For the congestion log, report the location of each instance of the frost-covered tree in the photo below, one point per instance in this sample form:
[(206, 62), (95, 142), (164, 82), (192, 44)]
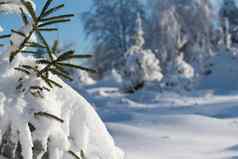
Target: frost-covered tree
[(180, 75), (170, 19), (141, 65), (82, 78), (228, 16), (227, 36), (110, 24)]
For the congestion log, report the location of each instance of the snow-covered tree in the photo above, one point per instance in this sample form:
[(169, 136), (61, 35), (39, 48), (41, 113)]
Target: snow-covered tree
[(180, 75), (170, 19), (229, 20), (141, 65), (227, 37), (40, 115), (110, 24), (82, 77)]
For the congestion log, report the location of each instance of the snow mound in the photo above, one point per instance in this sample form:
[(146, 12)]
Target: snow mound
[(73, 129)]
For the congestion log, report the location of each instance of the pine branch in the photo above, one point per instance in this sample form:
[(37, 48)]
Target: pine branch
[(56, 72), (47, 29), (19, 33), (22, 70), (55, 83), (55, 46), (74, 154), (82, 154), (46, 6), (46, 45), (5, 36), (77, 67), (65, 55), (53, 22), (49, 116), (43, 61), (52, 10), (29, 8), (34, 45), (57, 17), (22, 45), (77, 57), (24, 17)]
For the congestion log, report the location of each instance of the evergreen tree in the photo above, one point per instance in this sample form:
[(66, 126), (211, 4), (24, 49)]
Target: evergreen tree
[(25, 41), (40, 71), (141, 65), (110, 23)]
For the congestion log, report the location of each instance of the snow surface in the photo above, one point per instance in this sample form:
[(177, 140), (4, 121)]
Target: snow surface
[(201, 124), (171, 127)]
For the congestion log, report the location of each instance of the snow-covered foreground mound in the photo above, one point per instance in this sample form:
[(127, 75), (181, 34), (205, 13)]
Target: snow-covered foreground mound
[(62, 123)]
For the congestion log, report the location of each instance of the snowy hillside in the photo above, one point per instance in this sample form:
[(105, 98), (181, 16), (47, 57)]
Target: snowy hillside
[(148, 124), (155, 124)]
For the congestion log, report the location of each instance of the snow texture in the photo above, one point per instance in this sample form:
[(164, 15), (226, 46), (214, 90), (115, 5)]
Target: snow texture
[(199, 124), (13, 6)]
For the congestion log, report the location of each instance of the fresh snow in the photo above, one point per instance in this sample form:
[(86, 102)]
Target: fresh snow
[(14, 6), (201, 124), (170, 126)]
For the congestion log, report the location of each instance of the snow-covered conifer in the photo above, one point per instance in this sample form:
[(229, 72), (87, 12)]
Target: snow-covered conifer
[(40, 115), (180, 75), (141, 65)]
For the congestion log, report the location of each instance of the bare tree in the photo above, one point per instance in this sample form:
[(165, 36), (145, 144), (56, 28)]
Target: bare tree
[(111, 23)]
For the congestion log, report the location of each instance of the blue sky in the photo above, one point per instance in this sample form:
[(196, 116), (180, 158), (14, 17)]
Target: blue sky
[(70, 32)]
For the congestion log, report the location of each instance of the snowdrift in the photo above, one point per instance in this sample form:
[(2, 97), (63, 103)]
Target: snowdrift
[(27, 130)]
